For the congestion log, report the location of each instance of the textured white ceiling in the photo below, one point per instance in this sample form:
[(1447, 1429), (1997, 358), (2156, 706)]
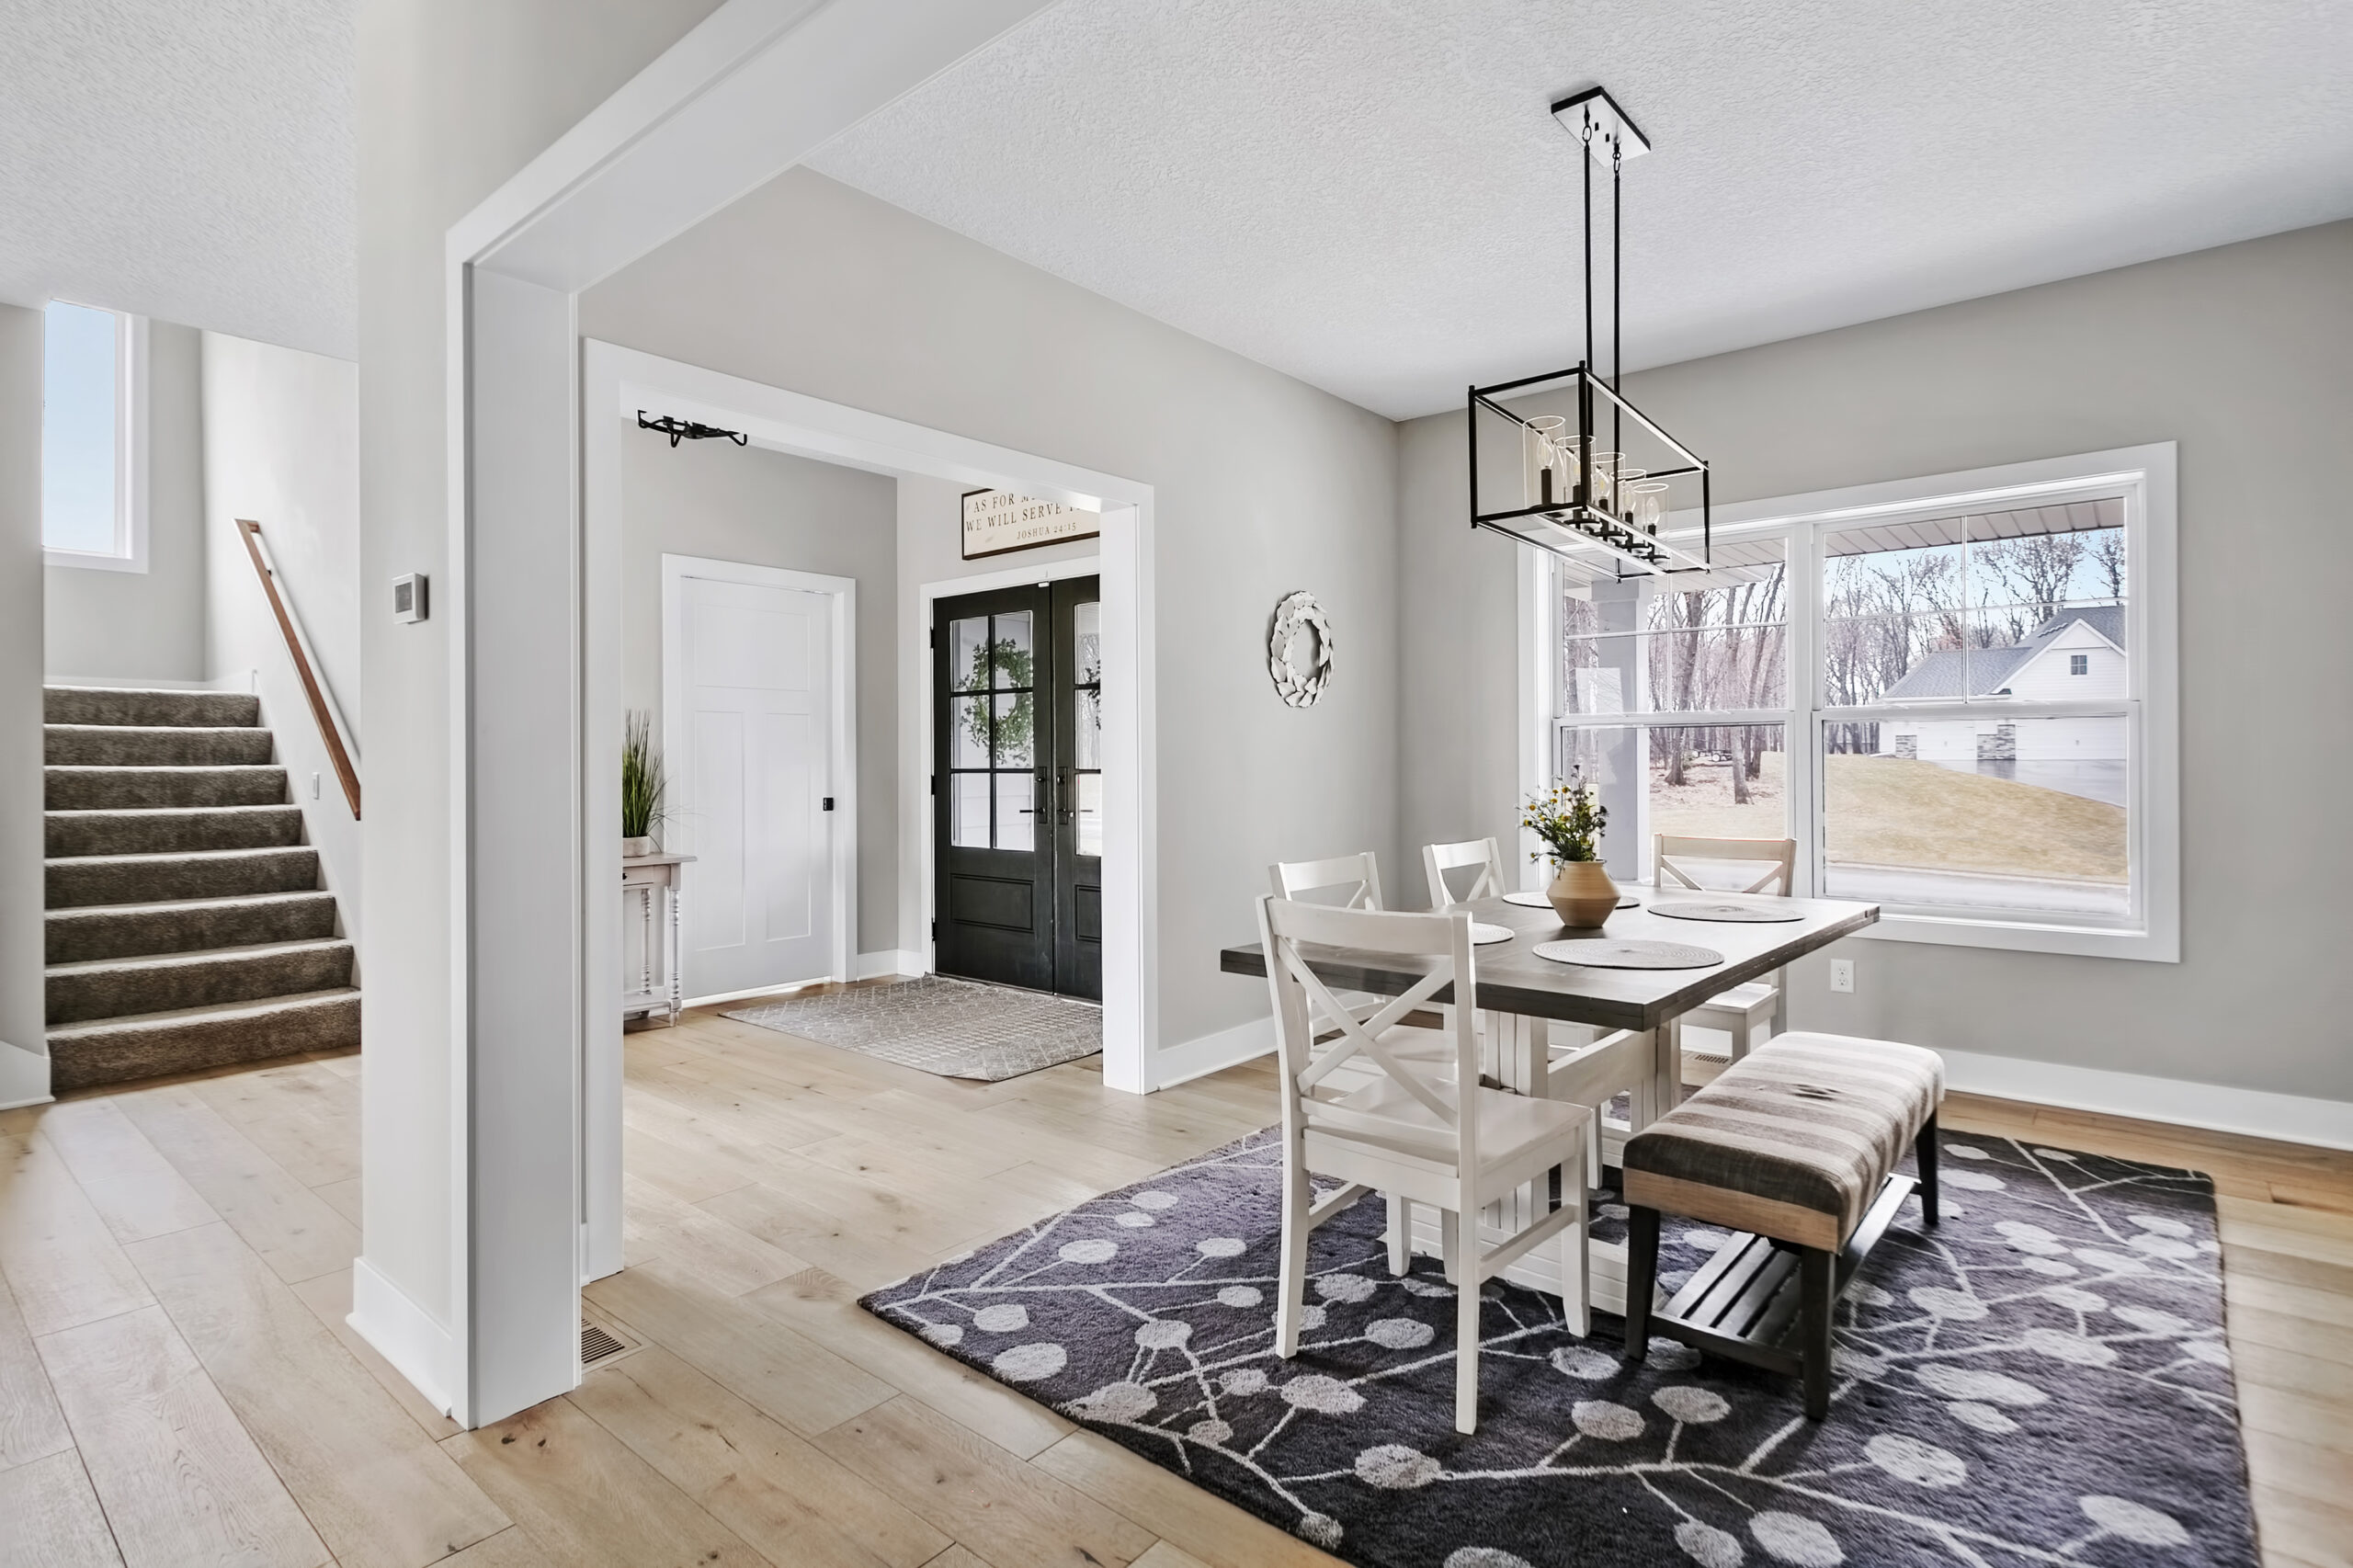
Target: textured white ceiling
[(184, 159), (1369, 194)]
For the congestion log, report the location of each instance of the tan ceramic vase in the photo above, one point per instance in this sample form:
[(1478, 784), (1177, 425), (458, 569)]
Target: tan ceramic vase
[(1583, 895)]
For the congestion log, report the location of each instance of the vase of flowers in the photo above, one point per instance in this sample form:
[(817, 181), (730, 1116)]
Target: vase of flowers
[(643, 784), (1570, 818)]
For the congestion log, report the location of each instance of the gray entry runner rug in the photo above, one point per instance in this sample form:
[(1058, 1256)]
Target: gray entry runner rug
[(2042, 1379), (957, 1028)]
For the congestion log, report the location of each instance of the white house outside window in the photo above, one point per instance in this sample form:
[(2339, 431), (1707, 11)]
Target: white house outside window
[(93, 438), (1956, 694)]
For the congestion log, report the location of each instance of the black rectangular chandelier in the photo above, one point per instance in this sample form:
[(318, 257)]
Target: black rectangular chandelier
[(1562, 460)]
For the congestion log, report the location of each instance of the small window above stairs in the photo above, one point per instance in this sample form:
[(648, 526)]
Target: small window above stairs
[(187, 928)]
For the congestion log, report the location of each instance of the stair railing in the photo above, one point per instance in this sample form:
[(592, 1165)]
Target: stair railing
[(331, 729)]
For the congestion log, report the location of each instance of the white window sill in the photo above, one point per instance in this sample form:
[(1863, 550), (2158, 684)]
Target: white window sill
[(91, 562), (2025, 937)]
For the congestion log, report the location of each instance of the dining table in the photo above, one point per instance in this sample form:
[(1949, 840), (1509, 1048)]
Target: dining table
[(1635, 1016)]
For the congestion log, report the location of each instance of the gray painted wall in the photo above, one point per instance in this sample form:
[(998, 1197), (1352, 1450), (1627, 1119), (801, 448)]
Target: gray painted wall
[(725, 503), (281, 447), (134, 625), (24, 1044), (2239, 353), (1263, 486)]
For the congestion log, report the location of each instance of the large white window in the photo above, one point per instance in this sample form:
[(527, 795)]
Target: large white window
[(1956, 693), (93, 438)]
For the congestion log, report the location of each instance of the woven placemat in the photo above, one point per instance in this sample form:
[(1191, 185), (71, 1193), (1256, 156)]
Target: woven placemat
[(1712, 909), (1483, 934), (1538, 901), (1612, 953)]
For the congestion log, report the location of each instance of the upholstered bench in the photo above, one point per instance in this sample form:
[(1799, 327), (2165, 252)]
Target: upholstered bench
[(1796, 1143)]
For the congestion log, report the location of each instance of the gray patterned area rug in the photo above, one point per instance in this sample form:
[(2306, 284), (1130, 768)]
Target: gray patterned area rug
[(2042, 1379), (957, 1028)]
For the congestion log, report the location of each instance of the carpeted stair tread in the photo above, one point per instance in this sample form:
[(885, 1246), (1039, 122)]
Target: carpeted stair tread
[(127, 789), (180, 925), (80, 880), (186, 927), (120, 745), (128, 706), (184, 1039), (154, 830), (106, 988)]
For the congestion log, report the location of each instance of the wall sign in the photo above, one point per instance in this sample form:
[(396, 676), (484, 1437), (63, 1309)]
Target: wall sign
[(1299, 650), (997, 522)]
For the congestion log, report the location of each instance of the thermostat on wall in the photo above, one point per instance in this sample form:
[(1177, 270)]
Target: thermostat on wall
[(409, 597)]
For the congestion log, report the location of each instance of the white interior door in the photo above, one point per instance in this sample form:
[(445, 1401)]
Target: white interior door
[(757, 683)]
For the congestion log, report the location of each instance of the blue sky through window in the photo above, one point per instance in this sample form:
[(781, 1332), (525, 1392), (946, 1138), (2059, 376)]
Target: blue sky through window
[(78, 430)]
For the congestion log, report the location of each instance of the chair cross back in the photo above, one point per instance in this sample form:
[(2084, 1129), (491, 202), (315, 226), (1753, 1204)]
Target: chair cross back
[(1364, 1038), (1782, 854), (1439, 858), (1360, 873), (1444, 938)]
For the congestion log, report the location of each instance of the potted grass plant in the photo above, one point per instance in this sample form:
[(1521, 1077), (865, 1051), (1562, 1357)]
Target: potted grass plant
[(1570, 818), (643, 785)]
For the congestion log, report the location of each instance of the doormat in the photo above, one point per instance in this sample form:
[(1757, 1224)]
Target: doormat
[(957, 1028), (2040, 1379)]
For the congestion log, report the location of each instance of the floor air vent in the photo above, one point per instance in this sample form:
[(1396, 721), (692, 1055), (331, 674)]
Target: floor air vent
[(597, 1343)]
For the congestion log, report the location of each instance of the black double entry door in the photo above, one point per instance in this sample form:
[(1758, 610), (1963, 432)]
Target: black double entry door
[(1017, 785)]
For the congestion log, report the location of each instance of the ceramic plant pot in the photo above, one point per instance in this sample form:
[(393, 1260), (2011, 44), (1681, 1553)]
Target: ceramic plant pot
[(634, 848), (1583, 895)]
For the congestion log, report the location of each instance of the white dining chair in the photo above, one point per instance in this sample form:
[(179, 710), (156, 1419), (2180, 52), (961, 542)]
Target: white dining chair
[(1743, 1010), (1438, 859), (1353, 881), (1414, 1130)]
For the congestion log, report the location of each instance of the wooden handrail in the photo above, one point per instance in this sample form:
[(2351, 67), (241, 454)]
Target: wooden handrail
[(329, 731)]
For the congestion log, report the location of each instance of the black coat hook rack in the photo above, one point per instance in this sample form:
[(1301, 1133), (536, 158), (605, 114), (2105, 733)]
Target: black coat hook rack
[(687, 430)]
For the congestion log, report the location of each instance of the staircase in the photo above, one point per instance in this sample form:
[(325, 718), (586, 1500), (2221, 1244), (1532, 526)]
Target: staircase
[(187, 928)]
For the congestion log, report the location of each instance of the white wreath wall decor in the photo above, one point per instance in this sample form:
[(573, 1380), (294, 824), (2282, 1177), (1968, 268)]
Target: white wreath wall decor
[(1299, 612)]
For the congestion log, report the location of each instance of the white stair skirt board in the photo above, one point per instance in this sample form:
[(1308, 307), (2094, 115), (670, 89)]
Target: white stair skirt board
[(24, 1077), (404, 1334)]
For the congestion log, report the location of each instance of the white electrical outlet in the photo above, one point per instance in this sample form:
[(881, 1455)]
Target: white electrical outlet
[(1842, 975)]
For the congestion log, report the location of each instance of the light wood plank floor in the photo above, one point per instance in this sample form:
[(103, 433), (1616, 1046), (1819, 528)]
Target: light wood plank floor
[(178, 1387)]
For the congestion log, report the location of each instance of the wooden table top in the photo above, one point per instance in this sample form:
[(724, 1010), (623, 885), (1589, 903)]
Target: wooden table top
[(1512, 979)]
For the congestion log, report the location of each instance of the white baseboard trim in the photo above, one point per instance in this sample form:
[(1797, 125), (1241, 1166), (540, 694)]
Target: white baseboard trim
[(20, 1105), (404, 1334), (1210, 1053), (890, 960), (2214, 1106)]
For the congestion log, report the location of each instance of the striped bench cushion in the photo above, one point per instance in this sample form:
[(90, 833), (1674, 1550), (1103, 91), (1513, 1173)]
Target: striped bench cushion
[(1792, 1141)]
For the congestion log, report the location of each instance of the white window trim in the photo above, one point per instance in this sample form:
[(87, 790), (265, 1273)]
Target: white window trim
[(2145, 476), (129, 553)]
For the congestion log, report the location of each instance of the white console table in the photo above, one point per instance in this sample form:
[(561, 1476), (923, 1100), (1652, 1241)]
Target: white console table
[(650, 936)]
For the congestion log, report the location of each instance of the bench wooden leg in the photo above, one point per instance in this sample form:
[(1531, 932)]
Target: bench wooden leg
[(1401, 1235), (1641, 1279), (1818, 1281), (1924, 1157)]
